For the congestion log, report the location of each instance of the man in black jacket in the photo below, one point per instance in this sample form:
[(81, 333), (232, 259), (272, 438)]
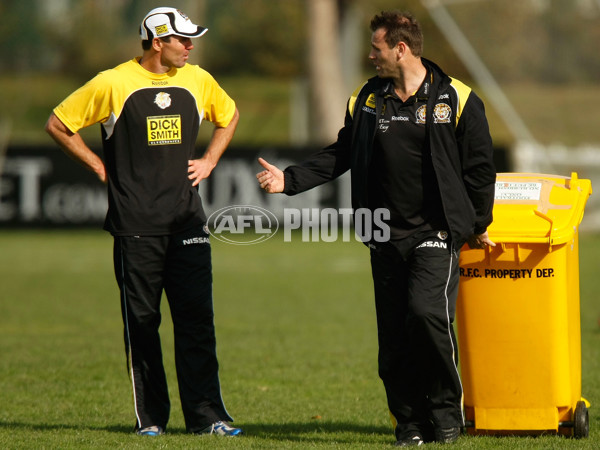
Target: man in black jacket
[(417, 143)]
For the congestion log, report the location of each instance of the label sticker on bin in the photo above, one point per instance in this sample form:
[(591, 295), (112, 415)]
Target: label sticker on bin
[(518, 191)]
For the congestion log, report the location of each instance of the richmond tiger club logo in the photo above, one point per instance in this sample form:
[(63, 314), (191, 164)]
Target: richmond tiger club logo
[(442, 113), (421, 114), (162, 100)]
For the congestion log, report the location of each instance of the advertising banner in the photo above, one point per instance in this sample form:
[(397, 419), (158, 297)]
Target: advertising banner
[(42, 187)]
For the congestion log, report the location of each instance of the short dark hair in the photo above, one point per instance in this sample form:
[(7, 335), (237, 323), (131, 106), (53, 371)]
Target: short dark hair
[(147, 43), (400, 26)]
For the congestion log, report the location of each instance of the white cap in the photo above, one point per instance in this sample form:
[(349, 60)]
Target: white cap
[(168, 21)]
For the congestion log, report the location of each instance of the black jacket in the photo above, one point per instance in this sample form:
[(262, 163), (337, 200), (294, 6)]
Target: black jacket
[(457, 136)]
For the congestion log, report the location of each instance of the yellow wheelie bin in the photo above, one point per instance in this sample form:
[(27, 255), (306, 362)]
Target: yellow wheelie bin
[(518, 318)]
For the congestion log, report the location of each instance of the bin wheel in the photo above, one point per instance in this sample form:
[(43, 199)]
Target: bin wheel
[(581, 421)]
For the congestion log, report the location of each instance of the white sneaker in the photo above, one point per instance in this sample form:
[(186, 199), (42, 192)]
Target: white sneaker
[(222, 428)]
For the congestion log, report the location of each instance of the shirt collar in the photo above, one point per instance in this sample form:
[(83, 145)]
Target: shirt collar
[(422, 94)]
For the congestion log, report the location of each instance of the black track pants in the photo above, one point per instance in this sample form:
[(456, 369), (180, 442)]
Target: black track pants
[(416, 286), (181, 265)]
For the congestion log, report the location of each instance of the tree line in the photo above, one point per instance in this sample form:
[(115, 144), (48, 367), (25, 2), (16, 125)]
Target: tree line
[(553, 41)]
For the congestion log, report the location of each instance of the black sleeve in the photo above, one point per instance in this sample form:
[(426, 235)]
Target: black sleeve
[(477, 157), (322, 166)]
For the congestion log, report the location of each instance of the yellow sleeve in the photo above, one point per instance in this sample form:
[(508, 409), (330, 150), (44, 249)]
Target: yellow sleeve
[(88, 105), (217, 106)]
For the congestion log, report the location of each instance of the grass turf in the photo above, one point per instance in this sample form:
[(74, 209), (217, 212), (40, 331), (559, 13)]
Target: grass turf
[(296, 340)]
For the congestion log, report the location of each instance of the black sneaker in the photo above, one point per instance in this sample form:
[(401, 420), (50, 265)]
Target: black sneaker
[(411, 441), (447, 435)]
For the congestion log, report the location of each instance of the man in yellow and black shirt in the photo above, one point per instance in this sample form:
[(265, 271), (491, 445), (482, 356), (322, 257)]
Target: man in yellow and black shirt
[(150, 109)]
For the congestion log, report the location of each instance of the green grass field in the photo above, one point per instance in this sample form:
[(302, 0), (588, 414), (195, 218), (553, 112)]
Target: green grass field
[(296, 340)]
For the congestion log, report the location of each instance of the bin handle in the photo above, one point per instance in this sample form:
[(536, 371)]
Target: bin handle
[(538, 213), (530, 240)]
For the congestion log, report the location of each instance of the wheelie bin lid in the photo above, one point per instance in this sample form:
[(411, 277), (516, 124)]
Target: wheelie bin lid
[(538, 208)]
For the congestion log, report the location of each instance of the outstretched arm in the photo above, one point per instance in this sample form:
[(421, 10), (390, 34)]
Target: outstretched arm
[(74, 146), (271, 179)]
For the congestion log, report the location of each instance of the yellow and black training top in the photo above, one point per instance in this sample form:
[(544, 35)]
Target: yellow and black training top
[(149, 127)]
